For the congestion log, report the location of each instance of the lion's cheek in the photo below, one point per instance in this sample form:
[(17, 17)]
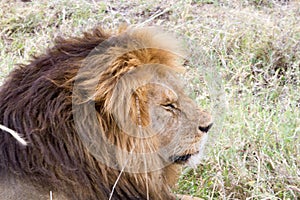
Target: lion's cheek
[(159, 120)]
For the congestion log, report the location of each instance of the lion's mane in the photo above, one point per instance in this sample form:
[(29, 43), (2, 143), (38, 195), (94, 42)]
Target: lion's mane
[(37, 101)]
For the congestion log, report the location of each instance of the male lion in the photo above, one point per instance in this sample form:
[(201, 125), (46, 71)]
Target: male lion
[(104, 117)]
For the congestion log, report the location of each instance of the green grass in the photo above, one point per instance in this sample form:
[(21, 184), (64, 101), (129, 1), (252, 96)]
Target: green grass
[(244, 67)]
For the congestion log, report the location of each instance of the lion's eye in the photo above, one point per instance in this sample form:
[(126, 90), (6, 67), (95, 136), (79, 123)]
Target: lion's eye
[(169, 106)]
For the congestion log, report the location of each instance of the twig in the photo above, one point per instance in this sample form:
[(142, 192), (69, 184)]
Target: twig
[(155, 15), (14, 134)]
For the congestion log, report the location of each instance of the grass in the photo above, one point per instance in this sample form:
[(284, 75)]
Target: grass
[(244, 66)]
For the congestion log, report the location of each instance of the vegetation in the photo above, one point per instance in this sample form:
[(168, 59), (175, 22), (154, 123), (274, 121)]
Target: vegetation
[(244, 66)]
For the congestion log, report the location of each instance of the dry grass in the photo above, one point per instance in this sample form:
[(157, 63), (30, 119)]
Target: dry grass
[(245, 65)]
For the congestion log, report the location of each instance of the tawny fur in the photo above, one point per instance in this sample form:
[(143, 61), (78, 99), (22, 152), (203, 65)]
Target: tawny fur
[(37, 101)]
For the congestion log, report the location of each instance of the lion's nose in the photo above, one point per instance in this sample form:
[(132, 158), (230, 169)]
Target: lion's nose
[(205, 129)]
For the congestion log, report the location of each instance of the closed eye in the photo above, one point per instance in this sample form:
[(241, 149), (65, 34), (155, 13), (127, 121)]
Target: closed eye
[(170, 106)]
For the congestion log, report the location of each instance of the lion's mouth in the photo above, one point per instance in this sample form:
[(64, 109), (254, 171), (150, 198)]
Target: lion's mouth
[(181, 159)]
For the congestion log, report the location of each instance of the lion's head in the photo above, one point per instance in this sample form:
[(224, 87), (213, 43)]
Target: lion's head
[(105, 113)]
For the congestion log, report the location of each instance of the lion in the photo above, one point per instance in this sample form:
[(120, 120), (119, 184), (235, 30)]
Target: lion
[(103, 116)]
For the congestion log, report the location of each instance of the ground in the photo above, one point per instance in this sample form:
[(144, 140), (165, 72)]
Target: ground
[(244, 66)]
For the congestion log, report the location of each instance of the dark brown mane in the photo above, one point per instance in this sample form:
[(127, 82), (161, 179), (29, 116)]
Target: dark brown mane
[(34, 105), (36, 102)]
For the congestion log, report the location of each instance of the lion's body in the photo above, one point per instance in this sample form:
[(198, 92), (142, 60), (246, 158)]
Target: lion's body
[(37, 101)]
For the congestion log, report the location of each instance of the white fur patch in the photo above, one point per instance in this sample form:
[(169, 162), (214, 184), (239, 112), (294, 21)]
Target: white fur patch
[(196, 159)]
